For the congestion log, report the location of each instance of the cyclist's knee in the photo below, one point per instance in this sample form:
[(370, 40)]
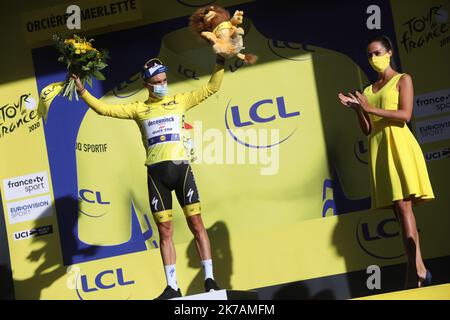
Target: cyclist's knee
[(196, 224), (165, 230)]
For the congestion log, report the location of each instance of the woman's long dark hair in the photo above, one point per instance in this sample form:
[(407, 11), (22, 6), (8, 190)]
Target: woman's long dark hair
[(387, 44)]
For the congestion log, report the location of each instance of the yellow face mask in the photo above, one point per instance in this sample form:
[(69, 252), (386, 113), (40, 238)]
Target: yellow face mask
[(380, 63)]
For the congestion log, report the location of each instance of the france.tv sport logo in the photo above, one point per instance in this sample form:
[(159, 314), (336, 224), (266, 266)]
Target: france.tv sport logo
[(25, 186), (29, 184)]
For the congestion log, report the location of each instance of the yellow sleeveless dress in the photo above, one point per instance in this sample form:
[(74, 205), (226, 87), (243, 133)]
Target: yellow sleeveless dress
[(397, 165)]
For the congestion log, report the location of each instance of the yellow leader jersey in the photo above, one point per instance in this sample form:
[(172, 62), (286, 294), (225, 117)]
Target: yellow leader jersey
[(161, 121)]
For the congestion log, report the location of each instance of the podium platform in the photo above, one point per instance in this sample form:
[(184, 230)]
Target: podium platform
[(439, 292), (223, 295)]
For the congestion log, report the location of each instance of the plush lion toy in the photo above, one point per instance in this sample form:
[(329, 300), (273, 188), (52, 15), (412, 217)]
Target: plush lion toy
[(214, 24)]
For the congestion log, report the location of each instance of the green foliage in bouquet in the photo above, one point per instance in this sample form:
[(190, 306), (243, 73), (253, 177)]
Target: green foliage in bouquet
[(81, 59)]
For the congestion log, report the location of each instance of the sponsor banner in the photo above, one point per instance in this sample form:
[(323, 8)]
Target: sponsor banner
[(25, 186), (33, 233), (423, 33), (29, 209), (21, 113), (92, 147), (432, 103), (433, 130), (338, 244), (286, 149), (437, 155), (163, 129), (41, 24)]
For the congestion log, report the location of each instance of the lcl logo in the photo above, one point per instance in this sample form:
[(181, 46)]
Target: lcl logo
[(128, 88), (188, 73), (380, 238), (115, 278), (240, 119), (290, 50), (195, 4), (101, 283), (360, 150), (256, 118), (88, 196), (91, 197)]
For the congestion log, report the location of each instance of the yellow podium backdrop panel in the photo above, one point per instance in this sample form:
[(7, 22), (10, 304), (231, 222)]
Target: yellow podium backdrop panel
[(280, 164)]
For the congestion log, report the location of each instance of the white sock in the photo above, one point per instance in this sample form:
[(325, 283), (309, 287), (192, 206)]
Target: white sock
[(208, 268), (171, 276)]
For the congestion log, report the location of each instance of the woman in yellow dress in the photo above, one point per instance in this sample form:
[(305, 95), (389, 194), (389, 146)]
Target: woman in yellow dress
[(398, 172)]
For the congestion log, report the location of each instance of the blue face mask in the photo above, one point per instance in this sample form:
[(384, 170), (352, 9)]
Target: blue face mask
[(160, 91)]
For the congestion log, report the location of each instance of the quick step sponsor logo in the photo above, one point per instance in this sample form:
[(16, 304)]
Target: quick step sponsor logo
[(25, 186), (33, 233), (29, 209)]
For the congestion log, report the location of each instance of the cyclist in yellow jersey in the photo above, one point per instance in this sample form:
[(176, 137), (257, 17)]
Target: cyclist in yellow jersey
[(398, 171), (161, 122)]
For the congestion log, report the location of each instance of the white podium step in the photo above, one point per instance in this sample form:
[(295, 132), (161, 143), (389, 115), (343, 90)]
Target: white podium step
[(223, 295)]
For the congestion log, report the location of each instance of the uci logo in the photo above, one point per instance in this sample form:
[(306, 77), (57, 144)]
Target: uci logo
[(360, 150), (273, 109), (437, 155), (23, 235), (194, 3), (290, 50), (379, 238), (91, 203), (103, 282), (128, 88)]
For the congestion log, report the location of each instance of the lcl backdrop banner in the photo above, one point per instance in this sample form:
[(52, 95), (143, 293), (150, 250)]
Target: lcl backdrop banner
[(281, 166)]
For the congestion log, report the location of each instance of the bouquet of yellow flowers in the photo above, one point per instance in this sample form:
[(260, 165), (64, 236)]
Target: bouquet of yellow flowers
[(82, 59)]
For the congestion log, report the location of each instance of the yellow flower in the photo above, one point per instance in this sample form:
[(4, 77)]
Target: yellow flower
[(77, 51)]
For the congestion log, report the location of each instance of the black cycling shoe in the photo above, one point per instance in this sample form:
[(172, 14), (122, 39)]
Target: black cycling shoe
[(211, 285), (169, 293)]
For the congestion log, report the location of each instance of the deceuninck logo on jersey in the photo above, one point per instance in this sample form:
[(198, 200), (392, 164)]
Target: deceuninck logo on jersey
[(162, 129)]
